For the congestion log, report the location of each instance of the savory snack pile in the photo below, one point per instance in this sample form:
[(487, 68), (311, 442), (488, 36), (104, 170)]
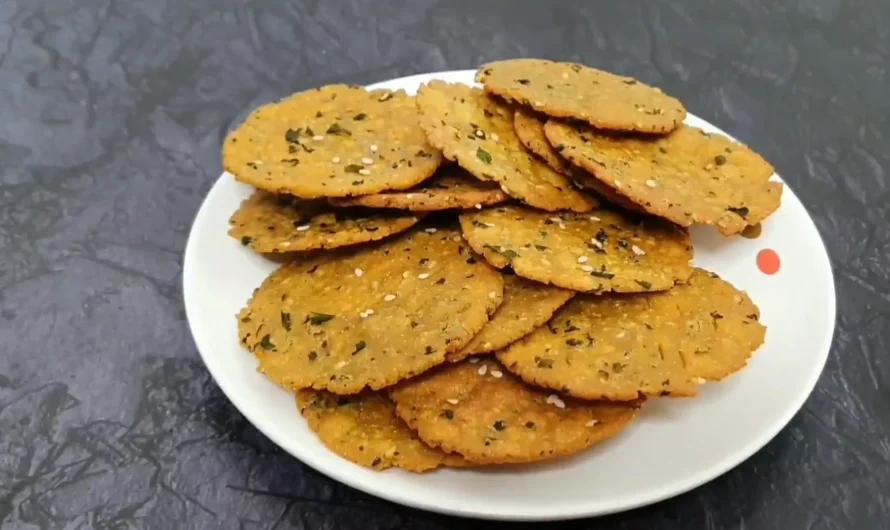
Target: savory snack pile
[(475, 276)]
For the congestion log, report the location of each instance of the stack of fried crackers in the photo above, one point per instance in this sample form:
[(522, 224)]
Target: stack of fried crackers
[(484, 276)]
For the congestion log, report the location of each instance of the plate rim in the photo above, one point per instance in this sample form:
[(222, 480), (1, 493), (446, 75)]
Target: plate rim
[(653, 496)]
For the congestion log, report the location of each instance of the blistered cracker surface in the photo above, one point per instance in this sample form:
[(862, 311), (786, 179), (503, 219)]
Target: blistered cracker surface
[(451, 188), (596, 251), (721, 325), (530, 131), (526, 306), (604, 347), (364, 429), (309, 322), (477, 132), (570, 90), (270, 223), (321, 143), (489, 416), (688, 177)]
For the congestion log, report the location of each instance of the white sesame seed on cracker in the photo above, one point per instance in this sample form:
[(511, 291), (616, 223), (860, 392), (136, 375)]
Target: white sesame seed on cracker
[(423, 275), (586, 268), (367, 161), (373, 148), (478, 206), (389, 297), (651, 183), (364, 172), (497, 374), (483, 369), (492, 295), (595, 218), (318, 138), (359, 272), (302, 228), (582, 259), (638, 251), (494, 136), (553, 399), (336, 160), (592, 423), (474, 360), (452, 401), (429, 230), (406, 274)]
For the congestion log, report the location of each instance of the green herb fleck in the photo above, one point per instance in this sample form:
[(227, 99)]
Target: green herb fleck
[(523, 81), (715, 315), (529, 425), (448, 414), (573, 342), (602, 274), (360, 116), (483, 155), (541, 247), (293, 135), (359, 346), (245, 240), (630, 82), (544, 363), (499, 425), (336, 129), (285, 320), (644, 284), (313, 355), (719, 160), (353, 168), (267, 344), (319, 318), (662, 150), (429, 350)]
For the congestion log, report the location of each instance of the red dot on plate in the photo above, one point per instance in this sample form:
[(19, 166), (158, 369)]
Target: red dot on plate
[(768, 261)]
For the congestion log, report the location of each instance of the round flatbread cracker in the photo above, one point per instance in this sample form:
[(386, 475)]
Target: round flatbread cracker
[(477, 132), (604, 347), (490, 417), (452, 188), (594, 252), (527, 305), (722, 325), (334, 141), (569, 90), (343, 321), (364, 429), (530, 130), (688, 177), (619, 346), (270, 223)]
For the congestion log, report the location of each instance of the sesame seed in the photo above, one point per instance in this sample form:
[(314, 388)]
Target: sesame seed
[(565, 75), (582, 259), (483, 369), (367, 161), (364, 172), (336, 160), (285, 244), (586, 268), (480, 133), (651, 183), (595, 218), (302, 228), (553, 399), (452, 401), (562, 225), (389, 297), (617, 183), (592, 423), (595, 243), (699, 380), (538, 104), (373, 148), (406, 274), (409, 196), (359, 272), (340, 364), (478, 206), (487, 345), (423, 275), (620, 335), (494, 136), (429, 230), (318, 138), (492, 295), (369, 311), (489, 225), (474, 360), (555, 219), (638, 251), (497, 374)]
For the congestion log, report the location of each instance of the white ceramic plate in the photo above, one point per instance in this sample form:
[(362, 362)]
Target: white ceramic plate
[(676, 445)]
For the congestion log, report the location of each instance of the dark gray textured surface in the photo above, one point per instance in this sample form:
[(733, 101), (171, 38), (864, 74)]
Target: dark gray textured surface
[(111, 117)]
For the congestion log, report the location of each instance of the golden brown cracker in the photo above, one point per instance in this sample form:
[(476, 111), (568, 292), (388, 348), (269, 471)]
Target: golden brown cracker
[(721, 324), (270, 223), (490, 417), (688, 177), (595, 252), (345, 320), (478, 133), (334, 141), (604, 347), (530, 131), (526, 306), (451, 188), (569, 90), (364, 429)]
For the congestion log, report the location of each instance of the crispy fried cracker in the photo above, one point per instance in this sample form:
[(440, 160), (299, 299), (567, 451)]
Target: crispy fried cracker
[(452, 188), (604, 347), (364, 429), (722, 327), (335, 141), (569, 90), (688, 177), (597, 251), (490, 417), (344, 320), (270, 223), (527, 305), (478, 133), (530, 130)]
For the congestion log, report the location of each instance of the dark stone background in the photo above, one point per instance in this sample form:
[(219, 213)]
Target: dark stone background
[(111, 117)]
